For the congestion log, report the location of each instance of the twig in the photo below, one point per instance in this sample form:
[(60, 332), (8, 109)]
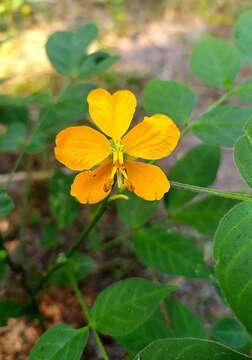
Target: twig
[(86, 314), (212, 191)]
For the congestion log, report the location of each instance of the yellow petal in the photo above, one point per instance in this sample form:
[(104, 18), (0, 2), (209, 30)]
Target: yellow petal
[(81, 147), (146, 180), (154, 138), (90, 187), (112, 113)]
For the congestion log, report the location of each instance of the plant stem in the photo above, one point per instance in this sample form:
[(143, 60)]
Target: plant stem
[(214, 192), (86, 314), (15, 166), (22, 150), (24, 206), (220, 101), (99, 212), (187, 128)]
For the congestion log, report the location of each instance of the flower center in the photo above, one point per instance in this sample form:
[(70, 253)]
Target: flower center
[(119, 170)]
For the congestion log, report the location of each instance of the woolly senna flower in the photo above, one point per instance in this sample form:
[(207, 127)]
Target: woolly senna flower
[(106, 159)]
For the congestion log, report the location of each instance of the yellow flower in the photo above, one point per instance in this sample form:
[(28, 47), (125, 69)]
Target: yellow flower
[(84, 148)]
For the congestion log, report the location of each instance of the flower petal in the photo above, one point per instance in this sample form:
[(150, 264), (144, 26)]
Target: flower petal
[(154, 138), (90, 187), (81, 147), (146, 180), (112, 113)]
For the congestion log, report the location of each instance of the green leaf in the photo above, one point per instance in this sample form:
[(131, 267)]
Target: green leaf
[(6, 203), (63, 206), (243, 153), (215, 61), (244, 91), (204, 215), (60, 342), (198, 166), (94, 239), (184, 322), (11, 114), (36, 143), (50, 236), (126, 305), (188, 349), (96, 63), (135, 211), (231, 333), (81, 265), (233, 259), (13, 138), (9, 309), (3, 263), (170, 252), (69, 108), (72, 100), (16, 103), (171, 98), (242, 34), (66, 49), (222, 126), (153, 329)]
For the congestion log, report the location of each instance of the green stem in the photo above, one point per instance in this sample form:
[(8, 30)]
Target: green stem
[(214, 192), (47, 276), (220, 101), (86, 314), (22, 150), (15, 167), (110, 244), (24, 206), (187, 128), (99, 212)]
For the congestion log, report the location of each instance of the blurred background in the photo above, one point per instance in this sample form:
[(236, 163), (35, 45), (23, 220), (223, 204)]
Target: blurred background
[(153, 39)]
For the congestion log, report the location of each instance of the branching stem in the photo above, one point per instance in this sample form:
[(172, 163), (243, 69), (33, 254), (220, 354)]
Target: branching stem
[(214, 192)]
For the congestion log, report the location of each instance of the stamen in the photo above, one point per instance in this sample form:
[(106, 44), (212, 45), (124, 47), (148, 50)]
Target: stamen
[(114, 170), (129, 185), (120, 157), (119, 179), (115, 156), (123, 171), (118, 164)]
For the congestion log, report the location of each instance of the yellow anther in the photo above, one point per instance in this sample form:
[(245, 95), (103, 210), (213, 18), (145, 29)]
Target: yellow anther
[(120, 157), (115, 156), (114, 170), (119, 179), (123, 171), (118, 164)]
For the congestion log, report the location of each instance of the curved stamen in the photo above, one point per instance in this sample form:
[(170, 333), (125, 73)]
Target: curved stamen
[(119, 170)]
